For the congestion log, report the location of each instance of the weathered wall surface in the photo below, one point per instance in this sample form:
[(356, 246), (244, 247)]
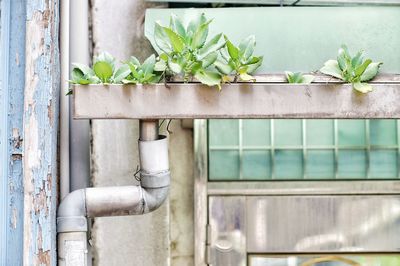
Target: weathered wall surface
[(164, 237)]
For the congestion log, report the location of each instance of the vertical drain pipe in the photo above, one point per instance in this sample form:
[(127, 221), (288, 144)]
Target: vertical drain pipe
[(114, 201)]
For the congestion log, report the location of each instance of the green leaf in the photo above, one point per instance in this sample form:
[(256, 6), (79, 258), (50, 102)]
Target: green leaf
[(134, 71), (224, 54), (341, 59), (256, 62), (246, 47), (211, 46), (194, 24), (161, 39), (87, 71), (148, 65), (135, 61), (371, 71), (331, 68), (362, 87), (209, 59), (103, 70), (106, 57), (121, 73), (200, 36), (160, 66), (209, 78), (246, 77), (174, 67), (176, 41), (232, 49), (360, 69), (177, 25), (225, 69), (357, 60), (293, 77)]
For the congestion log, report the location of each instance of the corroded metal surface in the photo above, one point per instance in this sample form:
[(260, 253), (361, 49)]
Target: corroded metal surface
[(245, 100)]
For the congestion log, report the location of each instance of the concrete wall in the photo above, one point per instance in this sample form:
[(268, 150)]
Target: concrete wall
[(164, 237)]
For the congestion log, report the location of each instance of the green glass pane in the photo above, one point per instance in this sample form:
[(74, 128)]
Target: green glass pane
[(320, 164), (256, 165), (224, 165), (352, 164), (320, 132), (383, 132), (288, 132), (223, 132), (351, 132), (256, 132), (288, 164), (383, 164)]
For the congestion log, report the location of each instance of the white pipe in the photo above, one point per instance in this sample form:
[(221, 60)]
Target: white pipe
[(64, 100)]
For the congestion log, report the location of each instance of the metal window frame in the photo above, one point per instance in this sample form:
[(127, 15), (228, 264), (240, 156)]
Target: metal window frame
[(203, 189)]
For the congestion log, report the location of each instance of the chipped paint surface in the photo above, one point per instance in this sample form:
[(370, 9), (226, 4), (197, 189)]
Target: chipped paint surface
[(40, 132), (13, 60)]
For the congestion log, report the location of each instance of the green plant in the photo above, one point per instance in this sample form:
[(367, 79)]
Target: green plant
[(103, 71), (239, 59), (298, 77), (186, 52), (135, 73), (355, 69)]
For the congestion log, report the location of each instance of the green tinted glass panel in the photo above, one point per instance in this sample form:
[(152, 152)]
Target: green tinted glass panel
[(288, 164), (352, 164), (383, 164), (320, 132), (256, 165), (224, 164), (320, 164), (383, 132), (225, 132), (351, 132), (256, 132), (288, 132)]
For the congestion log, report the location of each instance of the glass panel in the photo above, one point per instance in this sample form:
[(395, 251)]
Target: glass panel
[(288, 132), (383, 132), (333, 149), (351, 132), (256, 132), (224, 132), (383, 164), (288, 164), (320, 164), (326, 260), (224, 165), (320, 132), (256, 165), (352, 164)]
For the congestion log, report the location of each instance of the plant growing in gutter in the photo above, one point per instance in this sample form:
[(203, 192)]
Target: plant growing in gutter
[(354, 70), (239, 60), (186, 52), (133, 72), (298, 78)]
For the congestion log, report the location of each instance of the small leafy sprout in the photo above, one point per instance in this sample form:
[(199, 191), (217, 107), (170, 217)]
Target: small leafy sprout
[(298, 78), (136, 73), (185, 51), (239, 59), (355, 69)]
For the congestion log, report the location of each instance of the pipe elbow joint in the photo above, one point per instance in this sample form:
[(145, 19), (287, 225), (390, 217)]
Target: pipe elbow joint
[(71, 214), (155, 190)]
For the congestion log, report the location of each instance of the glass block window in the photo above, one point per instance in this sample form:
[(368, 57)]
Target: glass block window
[(283, 149)]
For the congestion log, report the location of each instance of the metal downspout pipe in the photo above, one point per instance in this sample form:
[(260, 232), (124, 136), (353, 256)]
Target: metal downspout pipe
[(114, 201)]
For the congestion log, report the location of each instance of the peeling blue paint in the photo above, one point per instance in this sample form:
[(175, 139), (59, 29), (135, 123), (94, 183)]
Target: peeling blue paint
[(41, 126), (13, 60)]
